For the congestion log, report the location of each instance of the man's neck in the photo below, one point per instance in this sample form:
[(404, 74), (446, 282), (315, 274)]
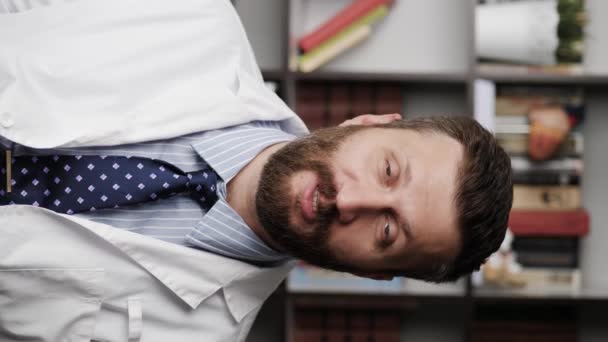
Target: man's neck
[(242, 193)]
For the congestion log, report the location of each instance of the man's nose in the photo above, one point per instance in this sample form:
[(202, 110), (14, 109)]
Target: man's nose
[(352, 201)]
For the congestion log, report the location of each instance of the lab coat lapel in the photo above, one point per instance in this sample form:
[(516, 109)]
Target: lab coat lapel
[(193, 275)]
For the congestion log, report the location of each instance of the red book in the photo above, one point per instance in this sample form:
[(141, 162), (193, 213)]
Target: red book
[(549, 223), (345, 17)]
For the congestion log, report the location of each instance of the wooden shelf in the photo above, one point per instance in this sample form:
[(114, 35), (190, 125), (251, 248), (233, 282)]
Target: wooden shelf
[(433, 78)]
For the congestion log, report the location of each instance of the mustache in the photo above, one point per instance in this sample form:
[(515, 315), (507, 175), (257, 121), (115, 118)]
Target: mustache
[(326, 214)]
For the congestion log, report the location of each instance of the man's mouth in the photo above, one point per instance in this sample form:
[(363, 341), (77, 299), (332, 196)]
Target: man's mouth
[(310, 203)]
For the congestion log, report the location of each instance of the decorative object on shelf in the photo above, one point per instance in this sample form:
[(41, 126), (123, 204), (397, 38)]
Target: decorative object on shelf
[(501, 268), (549, 127), (343, 31), (545, 114), (540, 33)]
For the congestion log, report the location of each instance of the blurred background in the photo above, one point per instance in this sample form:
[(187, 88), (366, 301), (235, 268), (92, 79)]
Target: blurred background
[(534, 72)]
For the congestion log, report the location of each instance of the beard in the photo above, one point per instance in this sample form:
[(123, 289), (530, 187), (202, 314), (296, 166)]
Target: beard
[(274, 197)]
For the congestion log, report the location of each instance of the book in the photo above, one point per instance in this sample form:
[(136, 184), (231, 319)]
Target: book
[(546, 177), (552, 280), (546, 243), (492, 69), (546, 259), (549, 252), (325, 53), (340, 21), (517, 144), (363, 100), (341, 41), (339, 106), (307, 278), (353, 324), (549, 223), (323, 104), (389, 99), (561, 165), (310, 105), (546, 252), (553, 197)]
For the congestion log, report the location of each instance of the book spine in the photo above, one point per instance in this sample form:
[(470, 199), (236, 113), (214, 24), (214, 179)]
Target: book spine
[(363, 99), (310, 105), (552, 279), (338, 22), (546, 244), (568, 164), (549, 223), (546, 197), (339, 103), (389, 99), (308, 325), (547, 259), (546, 178)]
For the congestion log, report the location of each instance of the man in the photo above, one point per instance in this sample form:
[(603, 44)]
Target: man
[(424, 198)]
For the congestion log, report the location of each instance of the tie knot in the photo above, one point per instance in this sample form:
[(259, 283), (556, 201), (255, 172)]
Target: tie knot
[(202, 185)]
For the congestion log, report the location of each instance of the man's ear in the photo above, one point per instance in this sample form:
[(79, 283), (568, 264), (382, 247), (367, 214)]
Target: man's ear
[(375, 275)]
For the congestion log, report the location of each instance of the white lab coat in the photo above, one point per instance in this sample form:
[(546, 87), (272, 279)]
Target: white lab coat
[(90, 72)]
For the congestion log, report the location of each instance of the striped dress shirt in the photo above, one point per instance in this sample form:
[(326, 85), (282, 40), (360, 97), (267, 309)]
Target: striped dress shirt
[(180, 219)]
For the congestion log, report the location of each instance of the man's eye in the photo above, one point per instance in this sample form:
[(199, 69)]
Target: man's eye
[(387, 231), (388, 169)]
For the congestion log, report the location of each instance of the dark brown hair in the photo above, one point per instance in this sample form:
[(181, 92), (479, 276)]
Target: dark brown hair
[(484, 193)]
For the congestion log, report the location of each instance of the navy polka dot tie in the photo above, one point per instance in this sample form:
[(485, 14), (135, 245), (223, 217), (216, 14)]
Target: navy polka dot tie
[(73, 184)]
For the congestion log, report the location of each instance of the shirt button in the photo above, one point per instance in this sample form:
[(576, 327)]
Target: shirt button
[(6, 120)]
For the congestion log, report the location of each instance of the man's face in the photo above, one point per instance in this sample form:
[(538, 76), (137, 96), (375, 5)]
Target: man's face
[(372, 201)]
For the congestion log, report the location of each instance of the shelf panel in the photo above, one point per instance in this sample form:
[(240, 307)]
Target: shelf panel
[(457, 78)]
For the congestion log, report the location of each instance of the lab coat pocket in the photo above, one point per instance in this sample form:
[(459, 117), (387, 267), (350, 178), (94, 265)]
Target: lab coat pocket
[(49, 304)]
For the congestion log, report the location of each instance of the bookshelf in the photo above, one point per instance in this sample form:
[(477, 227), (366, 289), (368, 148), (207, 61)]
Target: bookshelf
[(427, 47)]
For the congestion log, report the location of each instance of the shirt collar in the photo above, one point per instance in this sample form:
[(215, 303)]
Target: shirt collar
[(228, 150)]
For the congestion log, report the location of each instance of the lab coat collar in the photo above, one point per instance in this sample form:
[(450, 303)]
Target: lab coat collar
[(194, 275)]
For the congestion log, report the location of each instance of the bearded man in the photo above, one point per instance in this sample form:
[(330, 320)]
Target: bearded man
[(154, 190)]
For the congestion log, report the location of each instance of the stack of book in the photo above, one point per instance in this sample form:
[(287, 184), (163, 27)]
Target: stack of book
[(324, 104), (547, 219), (347, 28), (337, 324)]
